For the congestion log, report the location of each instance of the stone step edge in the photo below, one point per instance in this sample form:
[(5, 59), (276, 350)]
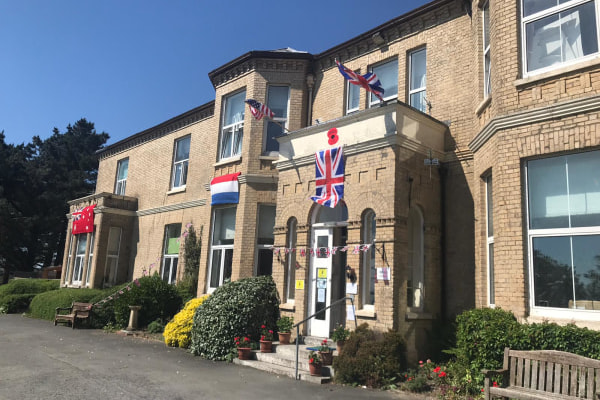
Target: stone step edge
[(281, 370)]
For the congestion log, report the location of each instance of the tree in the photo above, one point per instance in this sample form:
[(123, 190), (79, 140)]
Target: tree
[(42, 177)]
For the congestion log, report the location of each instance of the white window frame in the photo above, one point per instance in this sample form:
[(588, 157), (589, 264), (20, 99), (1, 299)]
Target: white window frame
[(90, 259), (236, 129), (79, 261), (417, 270), (349, 89), (283, 121), (110, 258), (181, 165), (69, 258), (489, 229), (170, 261), (525, 20), (369, 271), (290, 285), (222, 249), (121, 184), (373, 100), (559, 313), (487, 60), (420, 89)]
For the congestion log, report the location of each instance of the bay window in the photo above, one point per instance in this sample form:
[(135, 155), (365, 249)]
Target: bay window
[(223, 235), (418, 80), (265, 240), (232, 131), (388, 76), (122, 170), (180, 162), (171, 253), (278, 98)]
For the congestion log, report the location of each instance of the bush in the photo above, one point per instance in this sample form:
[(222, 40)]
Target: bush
[(187, 288), (158, 299), (178, 331), (371, 359), (156, 326), (104, 314), (44, 305), (15, 303), (235, 309), (16, 295)]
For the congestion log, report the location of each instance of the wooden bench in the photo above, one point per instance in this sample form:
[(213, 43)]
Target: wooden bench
[(77, 312), (544, 374)]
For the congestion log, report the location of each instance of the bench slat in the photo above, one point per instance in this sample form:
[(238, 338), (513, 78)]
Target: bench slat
[(527, 382), (519, 377), (557, 376), (573, 387), (549, 377), (542, 376), (534, 374), (528, 394)]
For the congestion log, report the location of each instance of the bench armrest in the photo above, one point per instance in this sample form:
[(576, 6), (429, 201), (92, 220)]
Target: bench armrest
[(62, 309), (488, 373)]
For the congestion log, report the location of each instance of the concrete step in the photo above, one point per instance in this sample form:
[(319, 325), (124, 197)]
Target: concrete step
[(304, 375)]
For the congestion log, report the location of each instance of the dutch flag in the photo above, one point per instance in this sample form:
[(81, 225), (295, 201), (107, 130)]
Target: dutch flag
[(225, 189)]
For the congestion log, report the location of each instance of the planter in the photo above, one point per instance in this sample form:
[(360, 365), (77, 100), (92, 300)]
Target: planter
[(266, 346), (244, 353), (326, 358), (315, 369), (284, 337), (340, 346)]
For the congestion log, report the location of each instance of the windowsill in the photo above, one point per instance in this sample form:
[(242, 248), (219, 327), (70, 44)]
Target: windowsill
[(269, 157), (289, 306), (366, 313), (416, 314), (556, 72), (176, 190), (483, 105), (226, 161)]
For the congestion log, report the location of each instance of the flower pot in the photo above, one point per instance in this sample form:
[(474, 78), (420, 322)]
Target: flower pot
[(244, 353), (315, 369), (266, 346), (340, 346), (284, 337), (326, 357)]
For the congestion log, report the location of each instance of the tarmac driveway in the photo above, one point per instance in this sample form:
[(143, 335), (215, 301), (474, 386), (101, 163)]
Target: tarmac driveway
[(41, 361)]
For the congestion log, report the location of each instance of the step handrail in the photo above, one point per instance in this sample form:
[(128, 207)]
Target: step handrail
[(297, 326)]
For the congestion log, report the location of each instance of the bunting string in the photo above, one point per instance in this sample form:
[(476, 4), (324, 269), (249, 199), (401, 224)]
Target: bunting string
[(323, 251)]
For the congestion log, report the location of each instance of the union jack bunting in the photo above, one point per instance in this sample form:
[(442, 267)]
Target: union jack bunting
[(367, 81), (330, 177), (259, 110)]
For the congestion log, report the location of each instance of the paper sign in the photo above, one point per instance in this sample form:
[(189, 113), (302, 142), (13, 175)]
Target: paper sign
[(351, 288), (350, 313), (321, 295), (322, 283), (299, 284), (322, 272), (383, 274)]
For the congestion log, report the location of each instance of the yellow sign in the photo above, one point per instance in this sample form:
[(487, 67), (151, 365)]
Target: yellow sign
[(322, 272), (300, 284)]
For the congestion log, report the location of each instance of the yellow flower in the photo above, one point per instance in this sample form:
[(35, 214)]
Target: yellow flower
[(178, 331)]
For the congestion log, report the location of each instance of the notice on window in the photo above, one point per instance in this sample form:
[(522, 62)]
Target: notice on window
[(383, 274), (300, 284), (322, 272), (351, 288), (321, 295), (350, 313)]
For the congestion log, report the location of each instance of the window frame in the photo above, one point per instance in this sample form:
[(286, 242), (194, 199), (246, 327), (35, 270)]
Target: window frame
[(290, 276), (221, 249), (487, 60), (183, 162), (283, 121), (556, 10), (417, 269), (90, 258), (368, 273), (351, 88), (121, 184), (568, 232), (79, 261), (489, 229), (112, 257), (420, 89), (171, 258), (373, 100), (263, 246), (236, 128)]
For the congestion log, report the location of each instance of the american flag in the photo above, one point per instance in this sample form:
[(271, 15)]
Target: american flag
[(368, 81), (330, 177), (259, 110)]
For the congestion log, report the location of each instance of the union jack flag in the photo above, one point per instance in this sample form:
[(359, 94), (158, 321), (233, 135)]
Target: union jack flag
[(368, 81), (330, 177), (259, 110)]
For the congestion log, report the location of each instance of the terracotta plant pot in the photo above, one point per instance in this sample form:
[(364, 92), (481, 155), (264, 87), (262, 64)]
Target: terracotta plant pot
[(266, 346), (284, 337), (315, 369), (340, 346), (244, 353), (326, 358)]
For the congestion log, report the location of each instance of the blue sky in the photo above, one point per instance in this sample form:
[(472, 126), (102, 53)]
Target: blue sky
[(129, 65)]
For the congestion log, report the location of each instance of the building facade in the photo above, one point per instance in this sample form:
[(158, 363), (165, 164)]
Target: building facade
[(472, 183)]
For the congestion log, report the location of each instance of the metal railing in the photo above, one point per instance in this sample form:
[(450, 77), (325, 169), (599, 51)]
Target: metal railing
[(297, 326)]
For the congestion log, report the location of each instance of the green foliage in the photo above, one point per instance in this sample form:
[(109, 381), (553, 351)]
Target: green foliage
[(370, 359), (16, 295), (156, 326), (44, 305), (104, 314), (158, 299), (340, 333), (285, 324), (235, 309), (187, 288), (191, 256)]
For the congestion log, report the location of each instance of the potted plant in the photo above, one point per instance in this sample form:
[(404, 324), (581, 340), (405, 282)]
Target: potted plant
[(325, 353), (339, 336), (314, 363), (243, 347), (284, 329), (266, 339)]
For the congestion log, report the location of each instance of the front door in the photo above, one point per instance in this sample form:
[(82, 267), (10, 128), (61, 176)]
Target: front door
[(320, 281)]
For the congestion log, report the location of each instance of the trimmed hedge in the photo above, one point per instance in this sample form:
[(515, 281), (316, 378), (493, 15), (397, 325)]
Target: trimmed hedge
[(15, 303), (16, 295), (237, 308), (44, 305), (371, 359)]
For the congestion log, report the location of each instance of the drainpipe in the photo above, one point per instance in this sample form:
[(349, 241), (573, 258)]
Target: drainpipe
[(443, 171), (310, 82)]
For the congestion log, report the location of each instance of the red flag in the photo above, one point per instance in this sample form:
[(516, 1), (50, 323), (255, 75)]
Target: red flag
[(83, 221)]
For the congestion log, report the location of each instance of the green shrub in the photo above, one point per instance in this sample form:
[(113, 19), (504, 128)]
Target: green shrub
[(15, 303), (156, 326), (235, 309), (371, 359), (44, 305), (26, 286), (158, 299), (550, 336), (103, 314), (187, 288)]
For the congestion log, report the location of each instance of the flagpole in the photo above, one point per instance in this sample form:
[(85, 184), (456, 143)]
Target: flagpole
[(278, 123)]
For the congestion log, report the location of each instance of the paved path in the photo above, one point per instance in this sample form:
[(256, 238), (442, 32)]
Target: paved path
[(41, 361)]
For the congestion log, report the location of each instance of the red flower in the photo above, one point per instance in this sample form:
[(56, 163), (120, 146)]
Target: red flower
[(312, 360), (421, 362), (482, 390), (263, 326), (270, 331), (442, 374), (495, 384), (437, 369)]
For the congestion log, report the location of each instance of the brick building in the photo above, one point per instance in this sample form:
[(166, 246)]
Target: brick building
[(473, 183)]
